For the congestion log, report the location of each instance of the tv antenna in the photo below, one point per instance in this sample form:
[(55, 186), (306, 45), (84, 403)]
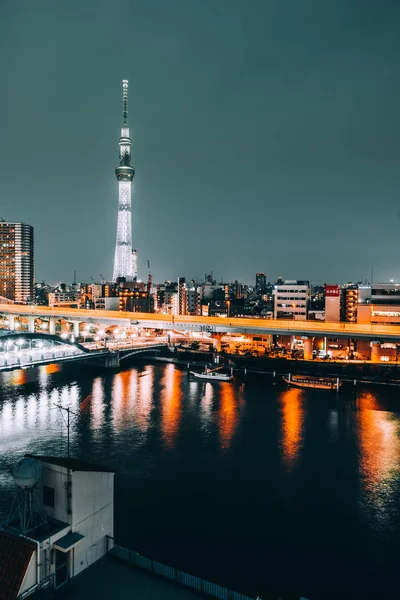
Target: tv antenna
[(68, 423)]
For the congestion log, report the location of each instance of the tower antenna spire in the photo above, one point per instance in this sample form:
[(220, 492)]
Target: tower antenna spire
[(123, 263), (124, 103)]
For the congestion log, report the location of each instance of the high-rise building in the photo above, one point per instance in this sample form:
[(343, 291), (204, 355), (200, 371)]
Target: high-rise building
[(182, 297), (123, 263), (291, 299), (193, 301), (349, 304), (332, 303), (261, 283), (16, 261)]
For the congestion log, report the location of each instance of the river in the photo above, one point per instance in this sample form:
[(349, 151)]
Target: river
[(270, 491)]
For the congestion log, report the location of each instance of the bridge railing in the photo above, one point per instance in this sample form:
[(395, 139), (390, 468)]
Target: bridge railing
[(11, 359), (173, 574)]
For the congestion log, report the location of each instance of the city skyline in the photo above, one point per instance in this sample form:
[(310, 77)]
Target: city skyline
[(263, 140)]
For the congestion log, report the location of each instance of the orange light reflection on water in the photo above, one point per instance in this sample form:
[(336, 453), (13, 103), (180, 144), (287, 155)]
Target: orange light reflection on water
[(171, 399), (227, 413), (292, 425), (18, 377), (53, 368), (379, 453)]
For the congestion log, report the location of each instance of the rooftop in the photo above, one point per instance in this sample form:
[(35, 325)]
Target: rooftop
[(40, 533), (108, 578), (75, 464), (15, 555)]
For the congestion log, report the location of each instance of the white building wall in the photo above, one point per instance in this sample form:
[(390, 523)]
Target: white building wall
[(57, 478), (92, 516), (30, 578), (332, 309)]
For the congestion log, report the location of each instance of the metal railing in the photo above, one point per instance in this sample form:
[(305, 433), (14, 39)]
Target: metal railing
[(177, 576)]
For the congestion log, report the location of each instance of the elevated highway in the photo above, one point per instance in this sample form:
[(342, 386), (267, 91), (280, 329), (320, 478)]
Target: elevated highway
[(211, 325)]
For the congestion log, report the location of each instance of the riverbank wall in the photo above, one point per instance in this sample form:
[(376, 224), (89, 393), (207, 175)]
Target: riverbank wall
[(346, 371)]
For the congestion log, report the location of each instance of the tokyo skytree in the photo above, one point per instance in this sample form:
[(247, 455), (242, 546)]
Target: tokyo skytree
[(123, 266)]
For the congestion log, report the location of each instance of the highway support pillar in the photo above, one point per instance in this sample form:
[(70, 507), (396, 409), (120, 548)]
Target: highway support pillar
[(375, 352), (217, 337), (308, 348), (76, 329), (112, 360), (52, 326), (11, 322), (31, 324)]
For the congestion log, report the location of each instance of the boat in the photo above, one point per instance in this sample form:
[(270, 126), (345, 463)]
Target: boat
[(320, 383), (212, 375)]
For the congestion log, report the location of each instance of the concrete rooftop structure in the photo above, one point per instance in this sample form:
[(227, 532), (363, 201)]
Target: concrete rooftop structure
[(109, 578)]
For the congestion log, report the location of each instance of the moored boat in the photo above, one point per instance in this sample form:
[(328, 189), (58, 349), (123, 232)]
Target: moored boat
[(212, 376), (306, 381)]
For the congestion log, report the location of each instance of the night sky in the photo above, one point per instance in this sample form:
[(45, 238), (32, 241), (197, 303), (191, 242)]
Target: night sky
[(266, 135)]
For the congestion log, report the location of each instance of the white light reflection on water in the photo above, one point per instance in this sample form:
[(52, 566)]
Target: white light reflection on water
[(26, 418), (333, 424), (144, 398), (96, 402), (206, 403)]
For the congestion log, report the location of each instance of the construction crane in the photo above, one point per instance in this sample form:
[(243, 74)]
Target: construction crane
[(102, 278)]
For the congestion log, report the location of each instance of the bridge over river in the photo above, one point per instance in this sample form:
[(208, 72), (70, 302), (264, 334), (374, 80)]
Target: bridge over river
[(21, 350)]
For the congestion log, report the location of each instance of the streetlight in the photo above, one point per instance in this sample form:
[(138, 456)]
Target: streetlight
[(229, 307), (294, 314)]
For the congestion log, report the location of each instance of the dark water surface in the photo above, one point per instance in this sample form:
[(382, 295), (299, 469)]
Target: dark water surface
[(268, 490)]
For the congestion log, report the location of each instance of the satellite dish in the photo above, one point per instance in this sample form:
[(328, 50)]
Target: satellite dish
[(26, 473)]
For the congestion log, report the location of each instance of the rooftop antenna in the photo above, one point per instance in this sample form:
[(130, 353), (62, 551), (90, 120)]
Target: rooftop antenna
[(69, 412), (74, 276), (125, 103)]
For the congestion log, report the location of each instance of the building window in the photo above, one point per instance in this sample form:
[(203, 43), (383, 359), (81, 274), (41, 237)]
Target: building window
[(48, 496)]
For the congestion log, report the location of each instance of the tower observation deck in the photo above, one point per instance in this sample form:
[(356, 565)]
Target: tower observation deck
[(125, 173)]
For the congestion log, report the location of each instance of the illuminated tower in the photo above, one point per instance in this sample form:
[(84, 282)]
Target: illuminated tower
[(123, 264)]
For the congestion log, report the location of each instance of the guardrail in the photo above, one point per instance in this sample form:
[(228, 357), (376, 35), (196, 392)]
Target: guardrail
[(177, 576)]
